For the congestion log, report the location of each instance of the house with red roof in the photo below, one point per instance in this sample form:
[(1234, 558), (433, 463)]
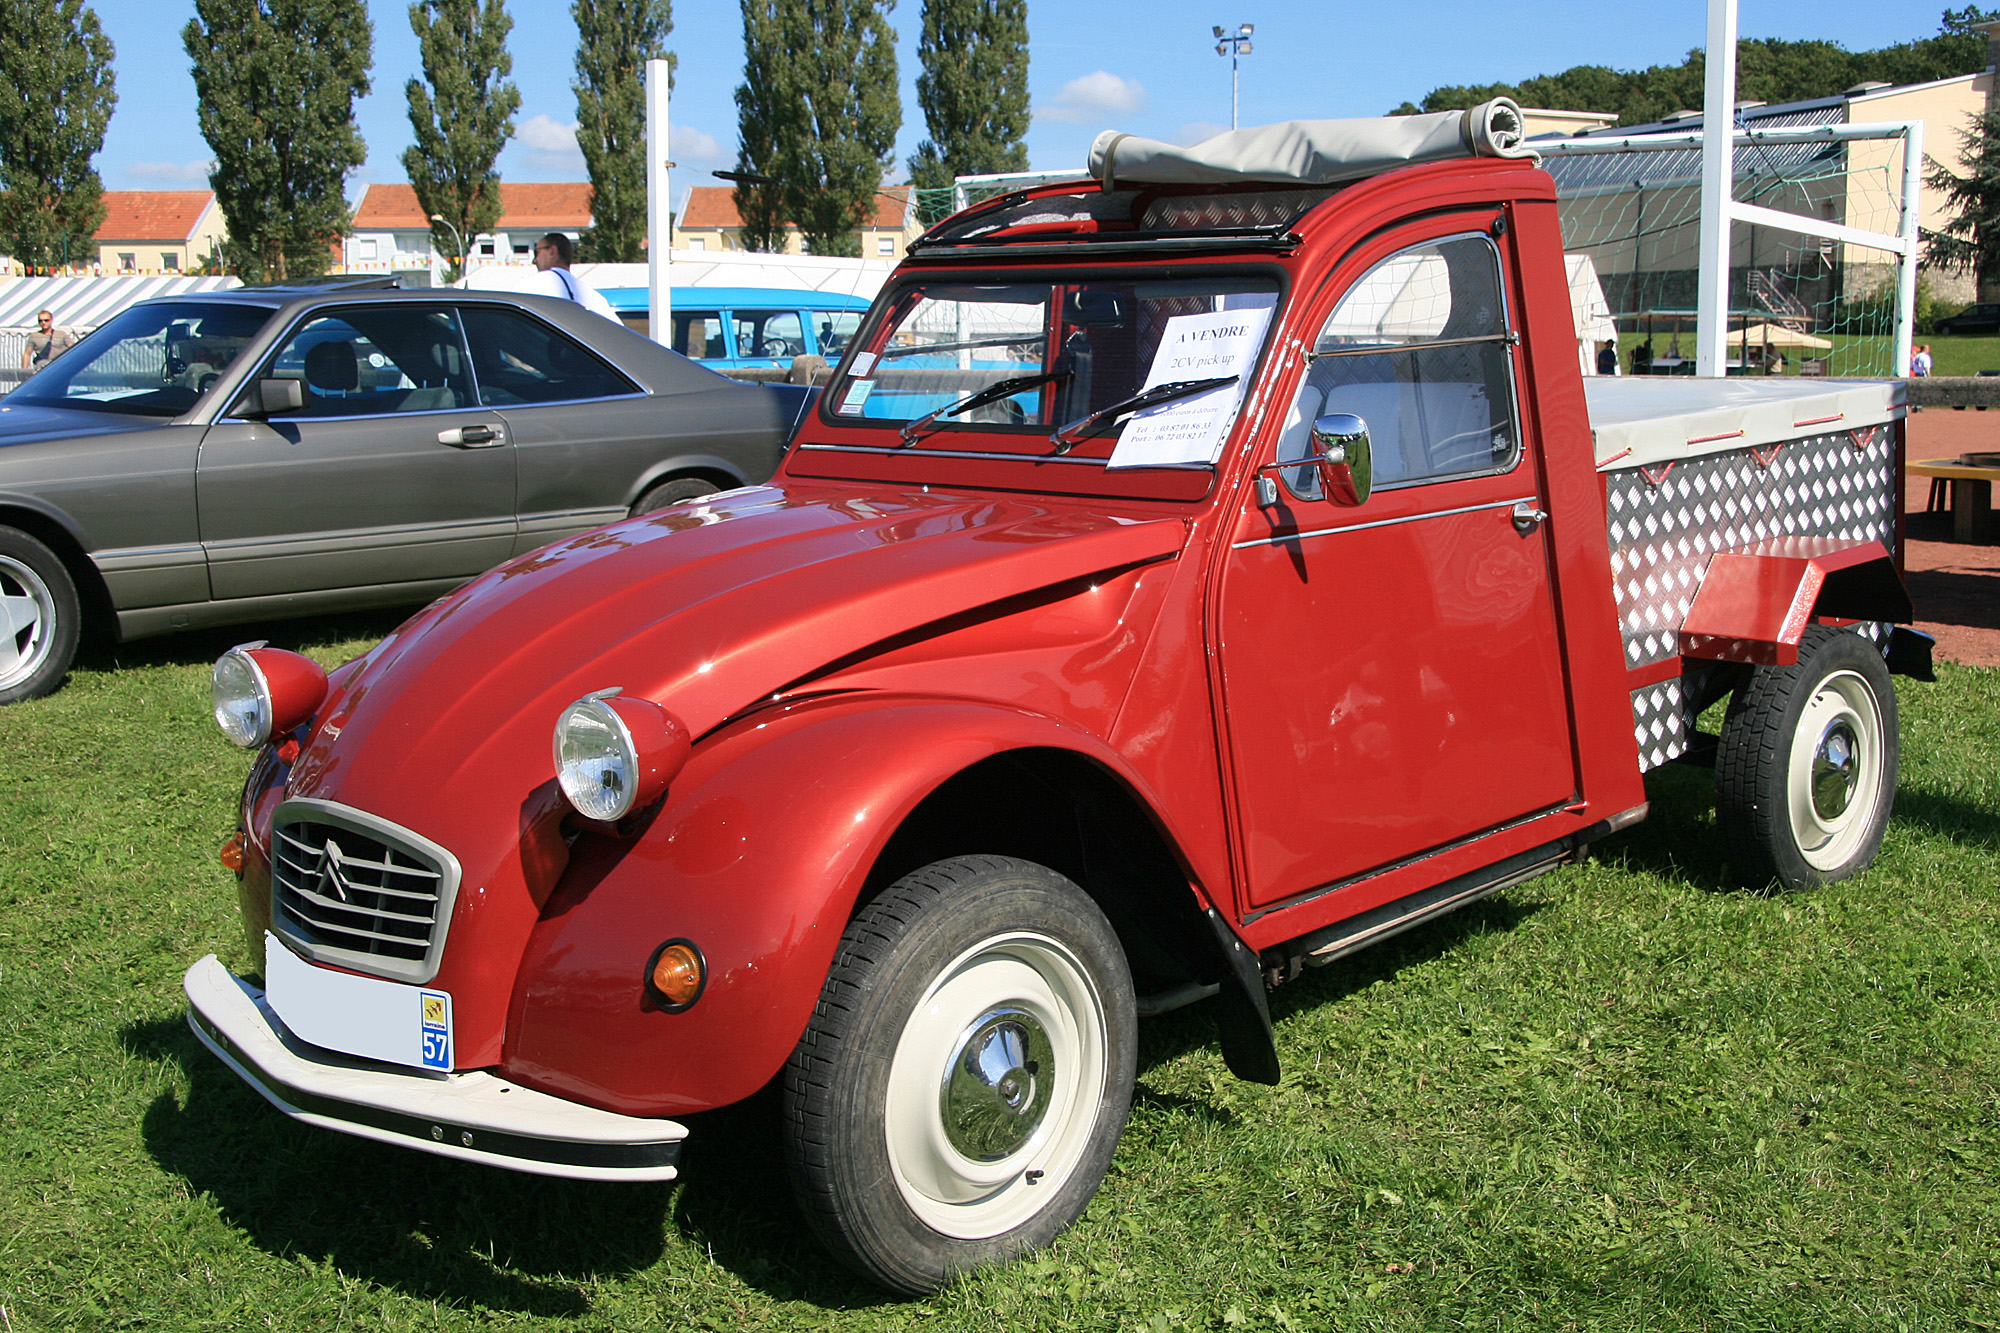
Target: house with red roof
[(710, 222), (392, 232), (158, 231)]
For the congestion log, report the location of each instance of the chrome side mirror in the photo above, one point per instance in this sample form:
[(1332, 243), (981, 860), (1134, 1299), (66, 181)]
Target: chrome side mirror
[(1345, 463)]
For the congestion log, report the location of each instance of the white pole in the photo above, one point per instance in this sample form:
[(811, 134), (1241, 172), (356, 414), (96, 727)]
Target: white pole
[(1718, 170), (659, 221), (1906, 272)]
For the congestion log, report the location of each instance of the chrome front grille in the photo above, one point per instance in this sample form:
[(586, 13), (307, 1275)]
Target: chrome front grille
[(357, 891)]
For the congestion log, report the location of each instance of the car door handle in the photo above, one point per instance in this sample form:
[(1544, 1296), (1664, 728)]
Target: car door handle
[(1527, 518), (470, 437)]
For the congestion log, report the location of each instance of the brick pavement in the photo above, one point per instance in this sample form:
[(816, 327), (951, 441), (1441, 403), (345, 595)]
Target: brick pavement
[(1956, 587)]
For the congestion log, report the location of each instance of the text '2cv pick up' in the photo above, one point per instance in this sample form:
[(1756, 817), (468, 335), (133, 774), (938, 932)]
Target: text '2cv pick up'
[(1191, 574)]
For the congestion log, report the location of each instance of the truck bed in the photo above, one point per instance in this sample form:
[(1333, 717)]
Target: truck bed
[(1691, 467)]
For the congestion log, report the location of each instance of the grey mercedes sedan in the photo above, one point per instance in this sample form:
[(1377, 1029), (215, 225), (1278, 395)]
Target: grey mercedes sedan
[(261, 453)]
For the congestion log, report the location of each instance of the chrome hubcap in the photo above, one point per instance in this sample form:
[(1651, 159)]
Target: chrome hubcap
[(999, 1084), (27, 614), (1833, 771)]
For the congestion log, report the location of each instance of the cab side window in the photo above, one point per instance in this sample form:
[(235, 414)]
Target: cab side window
[(1418, 348), (698, 335), (522, 360), (375, 361), (774, 333)]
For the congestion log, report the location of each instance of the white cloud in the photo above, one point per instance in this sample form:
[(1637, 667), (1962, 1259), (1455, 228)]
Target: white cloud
[(1094, 97), (1198, 131), (691, 145), (546, 134), (171, 173)]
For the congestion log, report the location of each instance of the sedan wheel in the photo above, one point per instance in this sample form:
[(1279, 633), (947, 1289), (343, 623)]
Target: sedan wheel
[(39, 617)]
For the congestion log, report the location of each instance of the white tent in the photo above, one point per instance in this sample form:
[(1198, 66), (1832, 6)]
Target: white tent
[(1589, 309), (82, 304)]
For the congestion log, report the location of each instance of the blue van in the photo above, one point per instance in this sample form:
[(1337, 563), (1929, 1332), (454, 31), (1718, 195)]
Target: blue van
[(729, 328)]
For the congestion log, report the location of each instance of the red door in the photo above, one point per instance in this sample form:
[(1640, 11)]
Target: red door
[(1392, 671)]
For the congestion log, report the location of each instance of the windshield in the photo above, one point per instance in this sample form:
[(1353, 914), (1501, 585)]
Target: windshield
[(1075, 348), (149, 360)]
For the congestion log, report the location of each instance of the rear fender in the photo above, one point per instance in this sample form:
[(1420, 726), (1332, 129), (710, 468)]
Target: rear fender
[(1754, 604), (759, 855)]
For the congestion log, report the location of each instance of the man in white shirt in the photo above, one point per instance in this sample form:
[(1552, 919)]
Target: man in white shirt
[(552, 257)]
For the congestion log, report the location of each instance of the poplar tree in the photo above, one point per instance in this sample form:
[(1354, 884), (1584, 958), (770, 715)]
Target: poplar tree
[(275, 82), (817, 113), (56, 95), (462, 119), (973, 89), (615, 39)]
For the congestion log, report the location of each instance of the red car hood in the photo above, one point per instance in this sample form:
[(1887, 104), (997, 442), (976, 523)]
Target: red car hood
[(704, 609)]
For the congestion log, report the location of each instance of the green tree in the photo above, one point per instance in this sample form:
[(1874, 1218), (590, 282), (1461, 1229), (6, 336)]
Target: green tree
[(462, 119), (817, 113), (1767, 70), (1971, 240), (56, 91), (276, 82), (973, 89), (615, 39)]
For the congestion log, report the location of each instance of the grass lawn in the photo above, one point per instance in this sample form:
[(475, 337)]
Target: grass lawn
[(1966, 355), (1623, 1096)]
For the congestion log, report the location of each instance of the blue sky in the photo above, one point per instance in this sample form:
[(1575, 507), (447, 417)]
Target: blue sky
[(1144, 66)]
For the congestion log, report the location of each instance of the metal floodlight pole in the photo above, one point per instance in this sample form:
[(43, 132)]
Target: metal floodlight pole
[(659, 221), (1233, 45)]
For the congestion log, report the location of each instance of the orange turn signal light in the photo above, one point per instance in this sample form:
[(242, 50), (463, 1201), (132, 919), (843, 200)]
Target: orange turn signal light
[(676, 975), (231, 854)]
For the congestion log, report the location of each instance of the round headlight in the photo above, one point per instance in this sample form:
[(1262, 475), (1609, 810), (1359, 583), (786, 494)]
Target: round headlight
[(242, 701), (614, 756), (261, 692)]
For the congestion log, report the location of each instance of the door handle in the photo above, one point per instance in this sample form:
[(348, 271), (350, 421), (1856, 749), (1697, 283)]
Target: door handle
[(470, 437), (1527, 518)]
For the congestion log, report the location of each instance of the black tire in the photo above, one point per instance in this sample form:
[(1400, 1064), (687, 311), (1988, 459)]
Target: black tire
[(913, 1160), (673, 492), (40, 618), (1805, 774)]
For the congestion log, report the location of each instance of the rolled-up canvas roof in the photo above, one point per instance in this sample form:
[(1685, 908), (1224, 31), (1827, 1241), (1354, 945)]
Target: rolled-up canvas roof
[(1313, 152)]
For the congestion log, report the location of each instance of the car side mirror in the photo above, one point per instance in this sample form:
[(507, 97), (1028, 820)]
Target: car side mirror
[(1344, 462), (272, 398)]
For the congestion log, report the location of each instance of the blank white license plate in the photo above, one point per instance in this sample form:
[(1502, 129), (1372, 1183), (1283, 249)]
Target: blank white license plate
[(364, 1016)]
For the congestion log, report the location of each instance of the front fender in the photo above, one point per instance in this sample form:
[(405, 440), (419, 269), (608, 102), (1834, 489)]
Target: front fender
[(758, 857)]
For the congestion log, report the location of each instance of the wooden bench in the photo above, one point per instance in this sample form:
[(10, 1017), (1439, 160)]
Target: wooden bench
[(1971, 495)]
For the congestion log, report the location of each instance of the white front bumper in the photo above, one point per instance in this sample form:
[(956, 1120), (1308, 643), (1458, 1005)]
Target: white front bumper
[(473, 1116)]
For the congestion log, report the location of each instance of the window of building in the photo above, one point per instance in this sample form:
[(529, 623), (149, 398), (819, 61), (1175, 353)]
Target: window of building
[(885, 245), (364, 248), (128, 262), (698, 243), (170, 261)]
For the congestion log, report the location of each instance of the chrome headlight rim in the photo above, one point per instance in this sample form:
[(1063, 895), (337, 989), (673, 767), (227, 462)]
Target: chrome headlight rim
[(576, 788), (253, 732)]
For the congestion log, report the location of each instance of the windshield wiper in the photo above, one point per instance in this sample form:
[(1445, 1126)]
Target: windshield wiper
[(992, 393), (1066, 439)]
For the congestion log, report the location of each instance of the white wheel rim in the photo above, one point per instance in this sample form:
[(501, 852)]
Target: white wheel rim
[(27, 622), (1023, 983), (1834, 775)]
